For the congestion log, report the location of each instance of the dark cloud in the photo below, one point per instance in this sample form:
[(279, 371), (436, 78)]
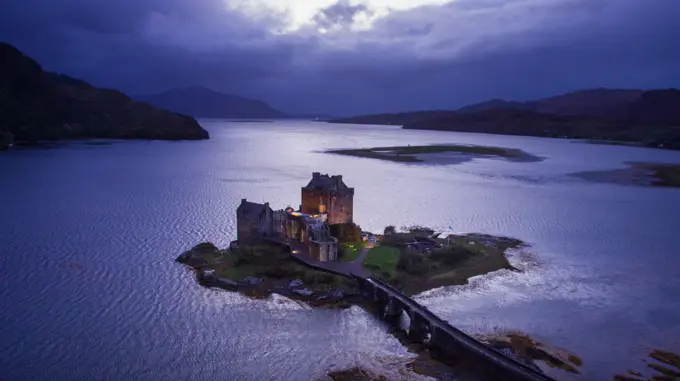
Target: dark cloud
[(428, 57), (340, 14)]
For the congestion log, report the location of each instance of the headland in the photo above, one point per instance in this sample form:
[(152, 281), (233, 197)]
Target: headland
[(38, 106)]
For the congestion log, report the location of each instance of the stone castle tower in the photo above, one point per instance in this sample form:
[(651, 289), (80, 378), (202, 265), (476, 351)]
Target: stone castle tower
[(330, 195)]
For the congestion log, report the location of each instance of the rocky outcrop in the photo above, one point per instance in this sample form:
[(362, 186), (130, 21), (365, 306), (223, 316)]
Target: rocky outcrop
[(277, 272), (36, 106)]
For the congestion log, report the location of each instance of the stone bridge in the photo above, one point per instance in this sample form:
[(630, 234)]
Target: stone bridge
[(427, 328)]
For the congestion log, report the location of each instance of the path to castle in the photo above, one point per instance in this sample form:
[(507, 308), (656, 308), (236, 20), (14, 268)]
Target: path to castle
[(356, 267), (360, 260)]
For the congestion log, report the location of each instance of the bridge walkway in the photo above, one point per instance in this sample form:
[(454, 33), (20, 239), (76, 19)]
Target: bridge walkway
[(515, 369)]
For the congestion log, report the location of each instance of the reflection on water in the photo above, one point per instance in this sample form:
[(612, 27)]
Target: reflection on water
[(90, 289)]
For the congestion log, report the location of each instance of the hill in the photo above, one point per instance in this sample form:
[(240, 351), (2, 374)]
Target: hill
[(36, 105), (593, 102), (201, 102), (398, 119), (650, 118), (493, 104)]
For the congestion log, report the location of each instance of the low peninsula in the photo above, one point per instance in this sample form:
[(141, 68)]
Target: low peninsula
[(438, 154), (37, 106)]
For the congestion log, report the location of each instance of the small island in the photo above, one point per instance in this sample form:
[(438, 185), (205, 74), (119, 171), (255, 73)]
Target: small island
[(438, 154), (645, 174), (317, 255), (311, 254), (407, 260)]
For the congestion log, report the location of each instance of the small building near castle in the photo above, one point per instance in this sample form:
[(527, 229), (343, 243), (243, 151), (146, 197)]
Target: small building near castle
[(326, 200)]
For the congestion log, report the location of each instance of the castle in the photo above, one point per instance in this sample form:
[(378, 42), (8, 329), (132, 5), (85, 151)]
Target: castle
[(326, 201)]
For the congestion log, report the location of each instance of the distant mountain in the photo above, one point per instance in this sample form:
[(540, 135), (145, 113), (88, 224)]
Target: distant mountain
[(201, 102), (649, 117), (493, 104), (657, 107), (595, 102), (398, 119), (36, 105)]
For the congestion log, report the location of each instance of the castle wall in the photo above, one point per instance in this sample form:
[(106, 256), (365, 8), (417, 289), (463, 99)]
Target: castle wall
[(341, 208), (245, 227), (311, 199), (264, 223), (279, 219), (323, 251), (243, 232)]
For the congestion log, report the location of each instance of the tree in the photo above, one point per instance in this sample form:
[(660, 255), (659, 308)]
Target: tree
[(389, 230)]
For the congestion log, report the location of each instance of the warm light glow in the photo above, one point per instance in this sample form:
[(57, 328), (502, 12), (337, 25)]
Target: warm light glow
[(301, 13)]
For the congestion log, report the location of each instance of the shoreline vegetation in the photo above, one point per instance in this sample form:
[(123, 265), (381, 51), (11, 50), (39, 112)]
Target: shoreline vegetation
[(261, 270), (437, 154), (644, 174)]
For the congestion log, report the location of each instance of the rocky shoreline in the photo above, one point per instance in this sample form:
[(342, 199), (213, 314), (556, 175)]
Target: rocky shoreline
[(291, 280), (261, 270)]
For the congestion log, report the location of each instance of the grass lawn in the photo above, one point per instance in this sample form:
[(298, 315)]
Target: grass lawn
[(382, 260), (351, 251)]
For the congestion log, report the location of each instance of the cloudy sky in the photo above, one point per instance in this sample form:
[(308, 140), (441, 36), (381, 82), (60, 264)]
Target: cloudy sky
[(346, 57)]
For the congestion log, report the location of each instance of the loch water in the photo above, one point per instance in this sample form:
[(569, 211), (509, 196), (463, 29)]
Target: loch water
[(89, 234)]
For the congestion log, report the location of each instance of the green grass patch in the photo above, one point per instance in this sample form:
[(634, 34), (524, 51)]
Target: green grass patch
[(406, 153), (268, 262), (351, 251), (383, 260), (455, 260), (235, 273)]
